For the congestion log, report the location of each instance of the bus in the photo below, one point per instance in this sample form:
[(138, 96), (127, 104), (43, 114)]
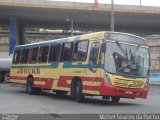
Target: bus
[(113, 65)]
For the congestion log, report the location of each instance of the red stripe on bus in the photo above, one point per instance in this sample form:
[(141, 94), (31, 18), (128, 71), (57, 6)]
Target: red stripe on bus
[(23, 78), (42, 79), (92, 88), (62, 82), (97, 79), (14, 77), (48, 81), (35, 78)]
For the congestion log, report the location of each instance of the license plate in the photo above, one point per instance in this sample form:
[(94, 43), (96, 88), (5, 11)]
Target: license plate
[(129, 92)]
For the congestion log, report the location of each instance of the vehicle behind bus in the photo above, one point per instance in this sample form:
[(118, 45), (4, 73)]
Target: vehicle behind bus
[(5, 63), (108, 64)]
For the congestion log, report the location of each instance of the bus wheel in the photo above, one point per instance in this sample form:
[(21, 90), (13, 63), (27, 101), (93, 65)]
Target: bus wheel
[(79, 94), (59, 92), (115, 99), (30, 87), (6, 77)]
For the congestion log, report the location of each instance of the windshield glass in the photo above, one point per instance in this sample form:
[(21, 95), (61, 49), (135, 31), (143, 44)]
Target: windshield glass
[(127, 60)]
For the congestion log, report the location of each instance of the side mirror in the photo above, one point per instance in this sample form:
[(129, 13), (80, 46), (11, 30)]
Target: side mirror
[(103, 47)]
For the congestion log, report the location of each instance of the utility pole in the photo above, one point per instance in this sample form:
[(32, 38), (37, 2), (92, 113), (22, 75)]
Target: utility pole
[(112, 15), (70, 21), (140, 3)]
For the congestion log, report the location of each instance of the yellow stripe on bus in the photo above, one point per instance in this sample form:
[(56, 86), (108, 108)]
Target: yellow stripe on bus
[(90, 83), (91, 92), (68, 81), (61, 88), (39, 82), (18, 81)]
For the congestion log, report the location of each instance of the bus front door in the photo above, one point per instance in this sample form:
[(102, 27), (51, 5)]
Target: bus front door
[(94, 72)]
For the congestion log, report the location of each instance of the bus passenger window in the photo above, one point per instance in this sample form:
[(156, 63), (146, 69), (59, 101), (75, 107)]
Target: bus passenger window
[(24, 56), (67, 52), (16, 56), (33, 55), (80, 51), (94, 52), (54, 53), (43, 54)]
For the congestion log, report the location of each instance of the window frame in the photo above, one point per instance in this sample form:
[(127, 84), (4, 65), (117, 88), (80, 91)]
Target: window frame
[(77, 48), (19, 56), (98, 51), (59, 56), (27, 57), (40, 58), (62, 51), (30, 55)]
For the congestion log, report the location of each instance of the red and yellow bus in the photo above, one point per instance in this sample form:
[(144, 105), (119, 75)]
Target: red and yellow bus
[(113, 65)]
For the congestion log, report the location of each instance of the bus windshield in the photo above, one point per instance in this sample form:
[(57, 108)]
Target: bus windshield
[(127, 60)]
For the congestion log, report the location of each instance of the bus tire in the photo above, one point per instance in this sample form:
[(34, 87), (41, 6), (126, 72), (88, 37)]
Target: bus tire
[(79, 93), (30, 87), (73, 89), (115, 99), (6, 77)]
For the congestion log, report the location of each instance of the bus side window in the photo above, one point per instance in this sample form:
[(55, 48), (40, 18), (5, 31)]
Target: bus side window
[(80, 50), (94, 52), (61, 55), (16, 56), (33, 55), (67, 51), (43, 54), (24, 56), (54, 53)]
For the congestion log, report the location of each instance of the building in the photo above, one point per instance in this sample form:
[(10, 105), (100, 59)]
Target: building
[(154, 46)]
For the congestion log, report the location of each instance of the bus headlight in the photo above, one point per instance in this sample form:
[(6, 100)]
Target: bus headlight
[(107, 78), (147, 83)]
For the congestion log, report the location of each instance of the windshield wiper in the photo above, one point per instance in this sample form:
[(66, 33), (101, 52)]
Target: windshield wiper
[(135, 51), (126, 53), (132, 55), (123, 51)]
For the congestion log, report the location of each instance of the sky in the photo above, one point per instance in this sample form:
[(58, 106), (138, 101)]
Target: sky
[(121, 2)]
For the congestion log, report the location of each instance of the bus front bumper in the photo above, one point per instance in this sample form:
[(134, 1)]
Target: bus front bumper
[(110, 90)]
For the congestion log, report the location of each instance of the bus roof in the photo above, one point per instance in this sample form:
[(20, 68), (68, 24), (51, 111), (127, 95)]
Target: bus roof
[(95, 35), (127, 38)]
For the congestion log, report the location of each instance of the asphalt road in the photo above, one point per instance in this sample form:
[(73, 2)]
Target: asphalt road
[(14, 99)]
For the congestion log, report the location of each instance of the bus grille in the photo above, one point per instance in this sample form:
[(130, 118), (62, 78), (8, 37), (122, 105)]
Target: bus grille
[(128, 83)]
